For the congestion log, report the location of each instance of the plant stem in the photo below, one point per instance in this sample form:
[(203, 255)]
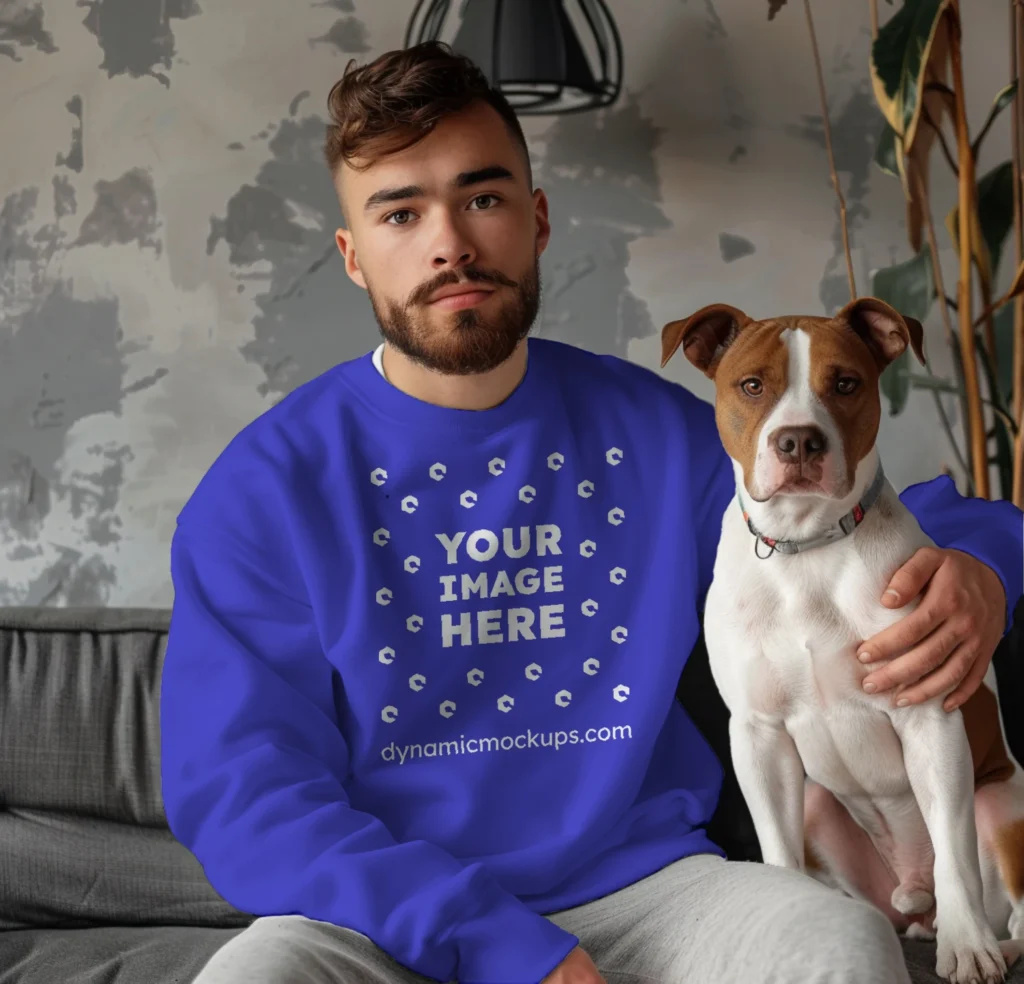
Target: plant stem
[(947, 323), (991, 310), (966, 189), (946, 92), (873, 7), (1017, 124), (946, 152), (995, 403), (828, 147)]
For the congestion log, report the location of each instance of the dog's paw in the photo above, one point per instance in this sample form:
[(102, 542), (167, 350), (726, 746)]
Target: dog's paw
[(1017, 923), (918, 931), (1012, 950), (970, 957), (912, 901)]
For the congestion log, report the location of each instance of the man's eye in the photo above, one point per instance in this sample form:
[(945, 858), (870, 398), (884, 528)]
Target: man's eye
[(484, 198), (401, 217)]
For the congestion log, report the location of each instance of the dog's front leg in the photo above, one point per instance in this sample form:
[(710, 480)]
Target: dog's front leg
[(771, 778), (938, 763)]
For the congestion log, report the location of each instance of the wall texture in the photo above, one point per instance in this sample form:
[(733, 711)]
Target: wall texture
[(167, 266)]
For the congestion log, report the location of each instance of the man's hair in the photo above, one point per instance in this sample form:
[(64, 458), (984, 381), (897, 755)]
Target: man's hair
[(397, 99)]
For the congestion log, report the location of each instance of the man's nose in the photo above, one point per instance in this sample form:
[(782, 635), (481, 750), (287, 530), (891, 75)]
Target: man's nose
[(798, 444), (452, 248)]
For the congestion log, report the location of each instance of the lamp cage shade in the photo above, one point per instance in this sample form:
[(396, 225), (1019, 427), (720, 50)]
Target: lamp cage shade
[(546, 56)]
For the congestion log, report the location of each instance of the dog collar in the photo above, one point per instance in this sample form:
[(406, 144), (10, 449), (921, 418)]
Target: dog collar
[(846, 525)]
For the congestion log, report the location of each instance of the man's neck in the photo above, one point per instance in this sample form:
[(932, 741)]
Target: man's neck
[(479, 391)]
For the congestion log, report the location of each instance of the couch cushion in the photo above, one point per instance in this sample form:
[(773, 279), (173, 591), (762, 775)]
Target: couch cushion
[(79, 711), (84, 835), (70, 871), (111, 955), (920, 957)]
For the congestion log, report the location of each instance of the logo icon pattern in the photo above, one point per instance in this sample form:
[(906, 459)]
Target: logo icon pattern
[(496, 467)]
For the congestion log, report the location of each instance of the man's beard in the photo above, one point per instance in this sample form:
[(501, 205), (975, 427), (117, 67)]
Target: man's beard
[(470, 342)]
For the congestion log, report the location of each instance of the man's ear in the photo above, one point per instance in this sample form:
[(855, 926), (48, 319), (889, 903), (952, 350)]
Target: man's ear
[(542, 220), (704, 336), (884, 330), (343, 239)]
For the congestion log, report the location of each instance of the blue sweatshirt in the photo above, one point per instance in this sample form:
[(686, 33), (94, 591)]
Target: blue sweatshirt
[(421, 672)]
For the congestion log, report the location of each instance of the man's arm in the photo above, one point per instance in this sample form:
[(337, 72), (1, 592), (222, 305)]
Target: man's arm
[(253, 764), (970, 583), (712, 487), (990, 531)]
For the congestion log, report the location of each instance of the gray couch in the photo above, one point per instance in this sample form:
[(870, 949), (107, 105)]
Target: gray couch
[(94, 889)]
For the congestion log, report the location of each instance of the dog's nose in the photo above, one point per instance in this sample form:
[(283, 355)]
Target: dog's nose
[(800, 443)]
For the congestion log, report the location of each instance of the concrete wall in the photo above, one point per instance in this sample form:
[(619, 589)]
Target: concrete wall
[(167, 269)]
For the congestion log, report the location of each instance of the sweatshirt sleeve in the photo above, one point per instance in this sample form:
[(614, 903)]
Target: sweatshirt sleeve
[(713, 486), (990, 530), (253, 764)]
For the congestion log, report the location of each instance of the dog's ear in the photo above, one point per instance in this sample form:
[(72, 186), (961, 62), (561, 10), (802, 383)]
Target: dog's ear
[(704, 336), (884, 330)]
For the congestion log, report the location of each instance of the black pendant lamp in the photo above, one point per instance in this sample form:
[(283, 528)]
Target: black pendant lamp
[(547, 56)]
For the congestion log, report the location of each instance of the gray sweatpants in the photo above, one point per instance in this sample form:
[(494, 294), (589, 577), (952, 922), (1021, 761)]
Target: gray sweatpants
[(701, 920)]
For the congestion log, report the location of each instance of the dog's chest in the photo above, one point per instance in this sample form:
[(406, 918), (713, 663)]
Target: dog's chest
[(782, 635), (803, 639), (786, 628)]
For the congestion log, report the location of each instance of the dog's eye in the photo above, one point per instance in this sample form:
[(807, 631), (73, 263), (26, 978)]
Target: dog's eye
[(846, 385), (752, 387)]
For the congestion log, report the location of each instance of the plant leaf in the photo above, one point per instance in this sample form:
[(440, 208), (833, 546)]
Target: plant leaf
[(900, 62), (981, 253), (909, 61), (908, 286), (1003, 98), (887, 151), (910, 289), (895, 383), (931, 383), (995, 210), (994, 220), (1003, 321), (774, 6)]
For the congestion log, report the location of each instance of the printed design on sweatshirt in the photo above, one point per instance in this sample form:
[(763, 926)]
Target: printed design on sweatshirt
[(534, 610)]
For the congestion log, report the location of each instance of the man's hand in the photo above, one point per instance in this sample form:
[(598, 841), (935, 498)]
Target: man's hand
[(950, 638), (577, 968)]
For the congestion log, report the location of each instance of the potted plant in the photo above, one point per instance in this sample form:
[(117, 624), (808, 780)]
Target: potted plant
[(916, 70)]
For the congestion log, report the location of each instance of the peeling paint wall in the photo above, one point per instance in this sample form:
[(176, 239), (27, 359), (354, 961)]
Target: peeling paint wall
[(168, 271)]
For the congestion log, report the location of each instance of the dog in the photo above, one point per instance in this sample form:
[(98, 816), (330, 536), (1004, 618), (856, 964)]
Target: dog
[(916, 810)]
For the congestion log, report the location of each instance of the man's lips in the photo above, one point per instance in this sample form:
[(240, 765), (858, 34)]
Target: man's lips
[(459, 296)]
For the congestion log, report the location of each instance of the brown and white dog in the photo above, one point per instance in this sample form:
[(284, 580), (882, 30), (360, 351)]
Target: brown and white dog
[(917, 810)]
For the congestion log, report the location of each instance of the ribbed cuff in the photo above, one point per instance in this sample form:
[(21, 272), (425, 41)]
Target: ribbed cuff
[(510, 944)]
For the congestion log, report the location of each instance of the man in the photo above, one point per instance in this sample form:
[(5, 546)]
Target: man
[(431, 610)]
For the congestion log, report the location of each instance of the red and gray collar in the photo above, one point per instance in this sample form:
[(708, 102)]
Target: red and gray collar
[(846, 525)]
